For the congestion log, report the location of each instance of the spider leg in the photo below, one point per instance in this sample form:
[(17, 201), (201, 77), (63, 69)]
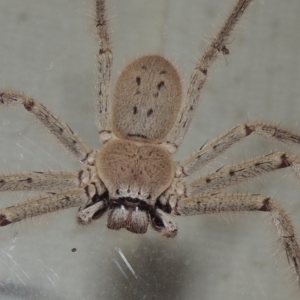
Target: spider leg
[(104, 71), (166, 226), (219, 145), (39, 181), (57, 128), (44, 204), (218, 203), (199, 76), (90, 212), (241, 172), (72, 186)]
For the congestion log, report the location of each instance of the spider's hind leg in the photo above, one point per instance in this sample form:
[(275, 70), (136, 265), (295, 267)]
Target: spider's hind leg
[(60, 130), (199, 76), (104, 71)]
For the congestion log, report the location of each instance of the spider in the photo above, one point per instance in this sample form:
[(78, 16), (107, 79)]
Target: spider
[(132, 176)]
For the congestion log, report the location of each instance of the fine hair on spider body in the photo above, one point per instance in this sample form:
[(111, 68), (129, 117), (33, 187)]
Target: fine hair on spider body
[(132, 176)]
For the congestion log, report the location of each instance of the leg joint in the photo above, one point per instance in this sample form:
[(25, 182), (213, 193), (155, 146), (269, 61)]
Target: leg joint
[(266, 205)]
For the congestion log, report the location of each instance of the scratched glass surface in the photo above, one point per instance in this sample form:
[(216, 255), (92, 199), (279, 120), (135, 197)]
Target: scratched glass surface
[(47, 50)]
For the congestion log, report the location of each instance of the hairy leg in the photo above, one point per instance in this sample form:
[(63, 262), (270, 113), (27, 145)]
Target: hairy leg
[(233, 175), (219, 145), (43, 205), (39, 181), (199, 75), (218, 203), (104, 71), (57, 128)]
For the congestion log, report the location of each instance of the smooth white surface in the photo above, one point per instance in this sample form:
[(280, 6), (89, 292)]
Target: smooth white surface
[(47, 50)]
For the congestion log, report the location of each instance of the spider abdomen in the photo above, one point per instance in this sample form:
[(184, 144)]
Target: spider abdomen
[(147, 100)]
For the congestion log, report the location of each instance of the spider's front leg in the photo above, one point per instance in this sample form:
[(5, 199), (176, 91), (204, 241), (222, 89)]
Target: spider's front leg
[(219, 203), (226, 177), (42, 205), (39, 181), (61, 190), (91, 205)]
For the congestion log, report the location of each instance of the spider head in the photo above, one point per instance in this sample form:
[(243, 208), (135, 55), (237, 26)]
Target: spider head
[(147, 100), (135, 215), (135, 175)]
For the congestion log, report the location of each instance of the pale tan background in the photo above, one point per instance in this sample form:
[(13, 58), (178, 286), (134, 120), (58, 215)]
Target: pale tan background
[(47, 50)]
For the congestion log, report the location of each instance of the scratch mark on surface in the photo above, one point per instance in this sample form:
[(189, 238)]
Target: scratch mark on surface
[(51, 281), (3, 287), (10, 257), (4, 263), (127, 263), (121, 270), (54, 273), (20, 279), (48, 268)]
